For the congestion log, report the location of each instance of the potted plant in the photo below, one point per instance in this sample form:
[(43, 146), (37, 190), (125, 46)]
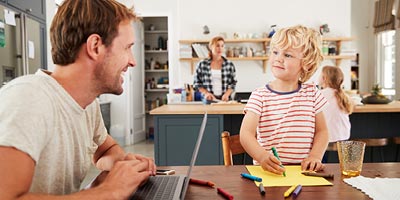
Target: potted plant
[(376, 96)]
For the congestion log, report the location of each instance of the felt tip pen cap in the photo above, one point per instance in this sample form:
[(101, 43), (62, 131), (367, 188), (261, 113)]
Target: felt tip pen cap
[(251, 177)]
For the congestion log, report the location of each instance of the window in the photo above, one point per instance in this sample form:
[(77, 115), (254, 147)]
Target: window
[(386, 69)]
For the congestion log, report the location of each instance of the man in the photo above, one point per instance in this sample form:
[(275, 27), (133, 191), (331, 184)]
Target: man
[(50, 123)]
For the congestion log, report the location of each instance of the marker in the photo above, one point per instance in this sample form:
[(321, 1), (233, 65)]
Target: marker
[(318, 174), (224, 193), (201, 182), (251, 177), (277, 156), (262, 189), (297, 191)]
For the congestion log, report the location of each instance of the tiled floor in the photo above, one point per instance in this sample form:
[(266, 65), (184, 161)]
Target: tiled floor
[(145, 148)]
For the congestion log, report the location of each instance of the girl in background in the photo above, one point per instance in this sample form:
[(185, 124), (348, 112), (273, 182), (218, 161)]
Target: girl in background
[(340, 105)]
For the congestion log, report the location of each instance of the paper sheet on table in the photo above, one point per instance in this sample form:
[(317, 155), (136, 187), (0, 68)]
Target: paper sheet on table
[(376, 188), (293, 177)]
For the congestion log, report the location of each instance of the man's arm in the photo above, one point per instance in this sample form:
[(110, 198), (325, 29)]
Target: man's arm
[(110, 152), (17, 169)]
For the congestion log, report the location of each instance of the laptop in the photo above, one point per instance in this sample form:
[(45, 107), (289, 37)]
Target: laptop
[(172, 187)]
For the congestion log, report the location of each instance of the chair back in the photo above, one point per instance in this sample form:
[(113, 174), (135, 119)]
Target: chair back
[(230, 146)]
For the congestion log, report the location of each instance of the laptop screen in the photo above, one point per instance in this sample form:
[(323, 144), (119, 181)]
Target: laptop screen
[(194, 156)]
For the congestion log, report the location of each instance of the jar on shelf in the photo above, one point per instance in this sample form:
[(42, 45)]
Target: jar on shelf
[(325, 48), (332, 49), (236, 52), (229, 52)]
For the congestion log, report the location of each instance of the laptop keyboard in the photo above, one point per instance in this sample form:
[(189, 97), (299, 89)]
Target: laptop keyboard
[(157, 187)]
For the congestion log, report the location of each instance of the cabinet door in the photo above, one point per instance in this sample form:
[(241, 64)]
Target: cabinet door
[(36, 8), (176, 135)]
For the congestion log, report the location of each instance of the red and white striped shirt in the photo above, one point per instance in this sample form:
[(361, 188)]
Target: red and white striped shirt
[(287, 120)]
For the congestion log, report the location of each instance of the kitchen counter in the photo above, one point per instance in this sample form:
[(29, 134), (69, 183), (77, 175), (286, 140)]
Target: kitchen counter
[(238, 109), (176, 128)]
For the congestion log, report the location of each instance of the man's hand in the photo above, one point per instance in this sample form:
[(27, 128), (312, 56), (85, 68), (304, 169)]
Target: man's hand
[(125, 177)]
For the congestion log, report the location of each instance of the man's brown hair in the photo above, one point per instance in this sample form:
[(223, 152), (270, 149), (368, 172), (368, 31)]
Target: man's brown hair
[(76, 20)]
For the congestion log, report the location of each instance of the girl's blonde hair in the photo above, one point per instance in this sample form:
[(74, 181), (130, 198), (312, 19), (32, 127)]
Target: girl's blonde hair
[(333, 77), (308, 40), (213, 42)]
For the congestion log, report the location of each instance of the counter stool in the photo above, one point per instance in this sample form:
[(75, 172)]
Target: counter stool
[(396, 140), (332, 147), (375, 143)]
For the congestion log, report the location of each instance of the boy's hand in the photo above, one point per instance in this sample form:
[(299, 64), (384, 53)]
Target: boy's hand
[(311, 164), (270, 163)]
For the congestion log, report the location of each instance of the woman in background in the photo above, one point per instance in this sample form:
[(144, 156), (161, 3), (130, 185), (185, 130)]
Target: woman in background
[(340, 105), (215, 76)]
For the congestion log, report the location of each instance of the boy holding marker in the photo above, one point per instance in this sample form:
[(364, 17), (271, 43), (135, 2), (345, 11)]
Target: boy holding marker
[(286, 113)]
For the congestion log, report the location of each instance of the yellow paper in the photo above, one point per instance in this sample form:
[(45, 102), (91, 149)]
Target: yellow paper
[(293, 177)]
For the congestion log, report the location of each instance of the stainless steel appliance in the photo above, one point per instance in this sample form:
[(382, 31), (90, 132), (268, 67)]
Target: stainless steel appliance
[(22, 47)]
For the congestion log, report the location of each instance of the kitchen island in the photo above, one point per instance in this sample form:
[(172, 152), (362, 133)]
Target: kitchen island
[(176, 129)]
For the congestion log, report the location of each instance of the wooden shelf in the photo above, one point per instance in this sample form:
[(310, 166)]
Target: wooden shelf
[(227, 41), (265, 43), (157, 90), (264, 59), (156, 70), (156, 51), (337, 39), (157, 32)]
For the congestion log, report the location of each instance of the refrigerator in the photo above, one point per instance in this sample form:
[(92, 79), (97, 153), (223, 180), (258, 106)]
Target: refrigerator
[(22, 44)]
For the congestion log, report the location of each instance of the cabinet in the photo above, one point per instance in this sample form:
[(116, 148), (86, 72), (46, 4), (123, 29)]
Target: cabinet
[(156, 66), (265, 47), (35, 8), (176, 136)]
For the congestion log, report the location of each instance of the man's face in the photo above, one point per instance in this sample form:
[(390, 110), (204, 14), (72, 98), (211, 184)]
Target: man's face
[(118, 57)]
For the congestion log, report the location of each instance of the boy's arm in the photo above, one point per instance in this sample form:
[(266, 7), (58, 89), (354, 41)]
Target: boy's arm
[(248, 140), (321, 139)]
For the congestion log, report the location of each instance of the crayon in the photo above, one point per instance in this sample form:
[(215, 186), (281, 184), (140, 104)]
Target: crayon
[(251, 177), (224, 193), (262, 189), (201, 182), (297, 191), (289, 191), (318, 174), (277, 156)]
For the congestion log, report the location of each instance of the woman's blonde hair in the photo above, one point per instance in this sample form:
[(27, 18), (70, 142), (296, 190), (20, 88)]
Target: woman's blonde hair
[(213, 42), (333, 77), (306, 39)]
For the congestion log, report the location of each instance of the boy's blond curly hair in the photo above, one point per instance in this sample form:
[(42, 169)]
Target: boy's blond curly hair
[(308, 40)]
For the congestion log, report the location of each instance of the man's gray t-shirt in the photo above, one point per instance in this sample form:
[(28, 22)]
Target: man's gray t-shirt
[(38, 117)]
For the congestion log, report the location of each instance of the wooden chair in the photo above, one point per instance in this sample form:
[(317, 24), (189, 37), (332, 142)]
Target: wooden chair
[(230, 146), (373, 143), (396, 140)]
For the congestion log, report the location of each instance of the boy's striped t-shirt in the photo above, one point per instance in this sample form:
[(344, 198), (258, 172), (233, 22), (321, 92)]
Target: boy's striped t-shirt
[(287, 120)]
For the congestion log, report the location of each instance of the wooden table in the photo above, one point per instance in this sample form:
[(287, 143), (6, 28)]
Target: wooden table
[(228, 178)]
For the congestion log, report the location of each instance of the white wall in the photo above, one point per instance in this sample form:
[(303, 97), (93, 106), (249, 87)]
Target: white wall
[(256, 16), (362, 17)]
